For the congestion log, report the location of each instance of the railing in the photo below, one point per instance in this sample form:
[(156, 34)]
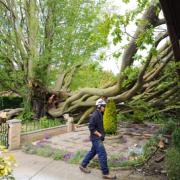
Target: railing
[(33, 125), (4, 130)]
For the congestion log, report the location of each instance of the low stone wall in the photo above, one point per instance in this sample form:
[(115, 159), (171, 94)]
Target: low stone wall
[(43, 133)]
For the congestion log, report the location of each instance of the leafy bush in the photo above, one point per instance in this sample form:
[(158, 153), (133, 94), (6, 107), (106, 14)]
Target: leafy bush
[(172, 163), (26, 116), (77, 157), (149, 147), (110, 118), (6, 164), (141, 110), (122, 117), (7, 102), (168, 127), (58, 154), (176, 138), (29, 148), (44, 151)]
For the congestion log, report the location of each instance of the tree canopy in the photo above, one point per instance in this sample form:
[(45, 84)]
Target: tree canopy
[(49, 47)]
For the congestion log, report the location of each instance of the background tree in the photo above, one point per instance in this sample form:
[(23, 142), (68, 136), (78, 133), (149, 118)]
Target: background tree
[(44, 42), (39, 43)]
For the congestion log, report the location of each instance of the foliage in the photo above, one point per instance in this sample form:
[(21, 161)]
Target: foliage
[(29, 149), (10, 102), (122, 117), (95, 77), (127, 163), (149, 147), (168, 127), (110, 118), (158, 118), (42, 123), (172, 163), (45, 151), (122, 160), (58, 154), (26, 116), (131, 74), (39, 149), (176, 138), (140, 111), (6, 164), (77, 157), (60, 34)]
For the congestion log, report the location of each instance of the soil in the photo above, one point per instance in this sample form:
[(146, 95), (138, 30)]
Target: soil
[(153, 168)]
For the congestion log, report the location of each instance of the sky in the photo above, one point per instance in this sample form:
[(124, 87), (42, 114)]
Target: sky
[(116, 6)]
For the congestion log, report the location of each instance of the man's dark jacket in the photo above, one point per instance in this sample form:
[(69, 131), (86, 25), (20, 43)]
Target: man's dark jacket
[(96, 124)]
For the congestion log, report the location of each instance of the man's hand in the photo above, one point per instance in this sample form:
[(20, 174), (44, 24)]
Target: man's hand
[(99, 135)]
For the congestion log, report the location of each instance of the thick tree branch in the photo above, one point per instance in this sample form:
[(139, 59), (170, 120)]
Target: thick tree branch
[(149, 16)]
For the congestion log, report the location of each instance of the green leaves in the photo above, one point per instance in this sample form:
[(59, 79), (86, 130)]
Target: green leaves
[(145, 38), (50, 37), (126, 1), (131, 74), (110, 118)]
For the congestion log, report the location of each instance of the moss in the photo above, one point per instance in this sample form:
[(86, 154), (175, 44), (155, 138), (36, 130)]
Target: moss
[(110, 118), (176, 138), (172, 164)]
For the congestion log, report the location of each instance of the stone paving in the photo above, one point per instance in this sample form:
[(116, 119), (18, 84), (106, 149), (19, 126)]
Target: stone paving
[(32, 167), (79, 140), (40, 168)]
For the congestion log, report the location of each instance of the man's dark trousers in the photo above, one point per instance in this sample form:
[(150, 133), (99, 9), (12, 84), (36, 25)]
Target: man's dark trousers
[(99, 149)]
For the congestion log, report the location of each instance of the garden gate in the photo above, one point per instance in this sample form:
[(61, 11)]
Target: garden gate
[(4, 130)]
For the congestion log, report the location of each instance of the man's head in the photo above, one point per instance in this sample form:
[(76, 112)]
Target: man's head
[(100, 104)]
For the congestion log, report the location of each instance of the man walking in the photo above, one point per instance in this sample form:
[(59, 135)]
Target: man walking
[(97, 135)]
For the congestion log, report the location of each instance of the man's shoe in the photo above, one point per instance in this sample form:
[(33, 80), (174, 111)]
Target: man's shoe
[(84, 169), (109, 176)]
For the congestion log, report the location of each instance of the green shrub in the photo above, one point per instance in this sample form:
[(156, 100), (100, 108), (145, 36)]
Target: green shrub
[(29, 148), (77, 157), (149, 147), (138, 115), (168, 127), (26, 116), (172, 164), (44, 151), (58, 154), (176, 138), (123, 117), (7, 163), (110, 118), (8, 102)]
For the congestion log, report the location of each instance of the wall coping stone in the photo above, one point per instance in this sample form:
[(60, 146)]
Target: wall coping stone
[(13, 121), (41, 130)]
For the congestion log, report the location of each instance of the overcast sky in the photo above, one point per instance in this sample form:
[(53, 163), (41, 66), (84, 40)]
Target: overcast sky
[(116, 6)]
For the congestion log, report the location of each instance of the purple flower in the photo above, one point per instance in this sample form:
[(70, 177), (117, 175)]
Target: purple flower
[(47, 136), (39, 143), (67, 156)]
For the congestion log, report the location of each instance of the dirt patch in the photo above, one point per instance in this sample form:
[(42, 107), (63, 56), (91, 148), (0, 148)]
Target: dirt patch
[(154, 166)]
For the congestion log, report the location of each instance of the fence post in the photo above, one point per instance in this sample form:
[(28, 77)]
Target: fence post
[(14, 134), (69, 123)]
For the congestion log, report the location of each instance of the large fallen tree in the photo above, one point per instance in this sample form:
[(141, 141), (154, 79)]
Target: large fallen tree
[(154, 81)]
